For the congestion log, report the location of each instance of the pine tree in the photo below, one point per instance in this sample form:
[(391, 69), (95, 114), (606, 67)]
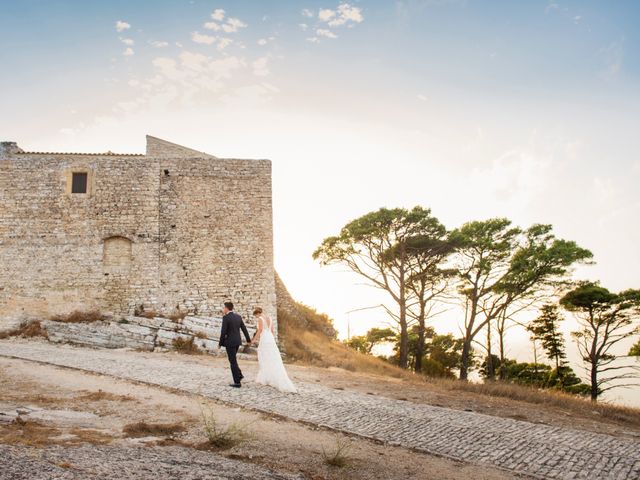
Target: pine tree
[(546, 330)]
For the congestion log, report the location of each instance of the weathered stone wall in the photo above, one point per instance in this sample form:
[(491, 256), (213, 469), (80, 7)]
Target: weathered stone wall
[(171, 229), (216, 236)]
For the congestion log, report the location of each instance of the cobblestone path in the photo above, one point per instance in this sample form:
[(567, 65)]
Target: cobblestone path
[(539, 451)]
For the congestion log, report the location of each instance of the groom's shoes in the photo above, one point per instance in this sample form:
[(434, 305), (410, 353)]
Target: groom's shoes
[(241, 377), (235, 385)]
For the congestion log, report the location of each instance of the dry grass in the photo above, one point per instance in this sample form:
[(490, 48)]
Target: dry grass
[(30, 329), (33, 434), (201, 335), (143, 429), (314, 348), (102, 395), (177, 316), (149, 314), (220, 437), (337, 456), (186, 346), (535, 396), (310, 344), (78, 316)]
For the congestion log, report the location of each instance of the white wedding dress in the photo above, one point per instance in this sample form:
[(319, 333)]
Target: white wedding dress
[(270, 367)]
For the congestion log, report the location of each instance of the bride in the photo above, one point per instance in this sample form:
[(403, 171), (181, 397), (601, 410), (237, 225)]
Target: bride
[(270, 368)]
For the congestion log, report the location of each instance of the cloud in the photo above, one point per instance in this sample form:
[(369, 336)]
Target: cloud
[(325, 33), (224, 43), (233, 24), (212, 26), (203, 39), (422, 97), (326, 14), (127, 41), (307, 13), (128, 52), (121, 26), (343, 14), (264, 41), (577, 19), (159, 44), (218, 14), (347, 13), (260, 67)]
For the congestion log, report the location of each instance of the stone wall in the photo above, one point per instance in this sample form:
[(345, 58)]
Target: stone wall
[(172, 229)]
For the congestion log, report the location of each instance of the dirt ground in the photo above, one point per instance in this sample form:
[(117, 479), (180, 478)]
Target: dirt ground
[(63, 406)]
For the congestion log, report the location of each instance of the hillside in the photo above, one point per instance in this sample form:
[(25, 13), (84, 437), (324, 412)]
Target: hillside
[(309, 339)]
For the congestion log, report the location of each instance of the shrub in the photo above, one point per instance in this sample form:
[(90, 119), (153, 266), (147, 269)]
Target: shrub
[(187, 346)]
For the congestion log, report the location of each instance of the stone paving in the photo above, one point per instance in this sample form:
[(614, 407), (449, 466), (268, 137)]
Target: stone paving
[(117, 462), (539, 451)]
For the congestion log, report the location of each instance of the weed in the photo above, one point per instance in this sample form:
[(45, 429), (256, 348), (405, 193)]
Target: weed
[(337, 457), (221, 437)]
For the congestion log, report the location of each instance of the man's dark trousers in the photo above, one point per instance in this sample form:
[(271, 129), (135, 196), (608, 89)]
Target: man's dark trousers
[(233, 362), (230, 338)]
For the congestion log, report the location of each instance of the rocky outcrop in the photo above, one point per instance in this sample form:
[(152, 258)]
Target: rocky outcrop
[(286, 303), (140, 333)]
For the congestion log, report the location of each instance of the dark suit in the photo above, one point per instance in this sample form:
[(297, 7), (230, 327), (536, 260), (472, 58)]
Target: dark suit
[(230, 339)]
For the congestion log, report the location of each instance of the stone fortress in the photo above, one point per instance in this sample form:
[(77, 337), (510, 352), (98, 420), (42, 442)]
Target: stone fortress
[(172, 230)]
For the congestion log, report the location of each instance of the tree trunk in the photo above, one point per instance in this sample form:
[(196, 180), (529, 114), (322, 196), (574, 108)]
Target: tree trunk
[(420, 349), (421, 335), (466, 346), (594, 381), (404, 331), (490, 370), (500, 329), (464, 366), (404, 336)]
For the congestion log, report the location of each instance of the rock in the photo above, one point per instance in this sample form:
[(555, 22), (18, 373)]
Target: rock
[(140, 332), (67, 418)]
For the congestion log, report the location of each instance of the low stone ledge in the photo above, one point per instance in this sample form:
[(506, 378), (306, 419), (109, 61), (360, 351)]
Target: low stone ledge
[(140, 333)]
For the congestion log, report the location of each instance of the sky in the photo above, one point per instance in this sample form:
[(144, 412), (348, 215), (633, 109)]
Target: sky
[(528, 110)]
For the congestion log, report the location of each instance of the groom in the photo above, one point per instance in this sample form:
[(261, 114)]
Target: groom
[(230, 339)]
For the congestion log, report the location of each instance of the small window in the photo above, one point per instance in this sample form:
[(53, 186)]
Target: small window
[(79, 182)]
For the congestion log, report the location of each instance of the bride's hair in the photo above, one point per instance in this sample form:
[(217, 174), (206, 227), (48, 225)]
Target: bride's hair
[(257, 311)]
